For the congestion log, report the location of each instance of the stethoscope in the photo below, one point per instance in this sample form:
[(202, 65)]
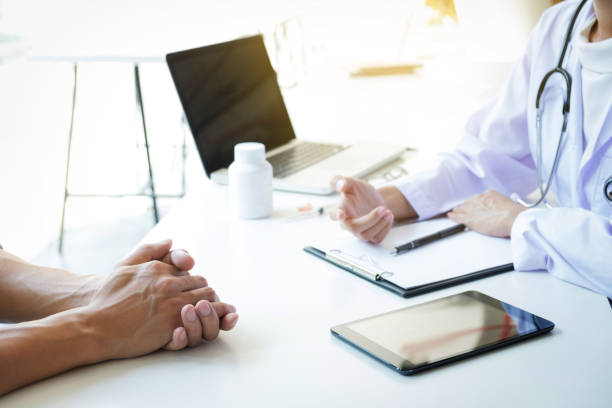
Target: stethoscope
[(608, 189), (559, 70)]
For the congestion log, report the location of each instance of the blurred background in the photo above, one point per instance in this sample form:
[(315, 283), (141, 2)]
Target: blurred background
[(464, 51)]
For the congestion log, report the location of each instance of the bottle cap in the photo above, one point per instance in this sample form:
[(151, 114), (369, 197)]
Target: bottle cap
[(249, 152)]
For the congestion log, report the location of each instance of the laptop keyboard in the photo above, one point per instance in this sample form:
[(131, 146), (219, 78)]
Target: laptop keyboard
[(301, 156)]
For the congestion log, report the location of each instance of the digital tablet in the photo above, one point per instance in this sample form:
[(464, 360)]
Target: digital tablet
[(441, 331)]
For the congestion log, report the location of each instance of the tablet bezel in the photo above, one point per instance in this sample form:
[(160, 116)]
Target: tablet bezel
[(404, 366)]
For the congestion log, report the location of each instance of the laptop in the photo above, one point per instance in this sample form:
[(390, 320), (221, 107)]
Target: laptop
[(230, 94)]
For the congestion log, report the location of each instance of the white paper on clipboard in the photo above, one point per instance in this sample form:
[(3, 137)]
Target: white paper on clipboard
[(456, 255)]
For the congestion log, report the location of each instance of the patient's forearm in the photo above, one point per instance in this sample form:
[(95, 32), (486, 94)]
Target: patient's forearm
[(34, 350), (30, 292)]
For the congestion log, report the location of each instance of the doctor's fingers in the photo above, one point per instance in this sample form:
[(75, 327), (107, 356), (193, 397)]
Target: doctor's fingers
[(457, 217), (455, 212), (466, 215), (359, 225), (343, 210), (372, 233), (467, 207), (378, 238), (347, 187), (343, 184), (337, 214)]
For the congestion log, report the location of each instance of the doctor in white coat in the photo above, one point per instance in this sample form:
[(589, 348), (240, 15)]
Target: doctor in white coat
[(498, 156)]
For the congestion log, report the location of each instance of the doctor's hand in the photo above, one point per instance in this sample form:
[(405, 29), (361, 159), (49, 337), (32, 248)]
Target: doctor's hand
[(367, 212), (489, 213)]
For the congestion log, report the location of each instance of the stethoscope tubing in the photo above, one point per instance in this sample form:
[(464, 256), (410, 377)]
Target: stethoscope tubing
[(558, 70)]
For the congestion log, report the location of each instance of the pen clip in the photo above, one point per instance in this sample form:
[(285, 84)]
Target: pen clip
[(354, 264)]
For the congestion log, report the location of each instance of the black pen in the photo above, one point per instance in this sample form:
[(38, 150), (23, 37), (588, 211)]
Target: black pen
[(427, 239)]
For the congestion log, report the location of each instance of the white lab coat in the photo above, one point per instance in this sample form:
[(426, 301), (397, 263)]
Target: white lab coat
[(574, 241)]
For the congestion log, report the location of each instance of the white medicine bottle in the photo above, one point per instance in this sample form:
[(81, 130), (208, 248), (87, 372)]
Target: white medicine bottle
[(250, 181)]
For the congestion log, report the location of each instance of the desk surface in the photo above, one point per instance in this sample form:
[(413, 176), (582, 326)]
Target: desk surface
[(282, 354)]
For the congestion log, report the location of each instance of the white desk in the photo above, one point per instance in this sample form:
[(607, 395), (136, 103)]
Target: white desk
[(282, 353)]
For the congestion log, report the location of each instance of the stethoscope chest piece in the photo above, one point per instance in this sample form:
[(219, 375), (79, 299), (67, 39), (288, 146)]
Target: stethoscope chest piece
[(608, 189)]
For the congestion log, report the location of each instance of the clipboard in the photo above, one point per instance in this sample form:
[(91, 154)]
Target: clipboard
[(393, 272)]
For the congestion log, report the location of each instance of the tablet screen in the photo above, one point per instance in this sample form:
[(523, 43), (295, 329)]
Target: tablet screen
[(443, 328)]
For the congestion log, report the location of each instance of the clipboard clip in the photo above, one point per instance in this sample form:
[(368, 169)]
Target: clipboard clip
[(363, 266)]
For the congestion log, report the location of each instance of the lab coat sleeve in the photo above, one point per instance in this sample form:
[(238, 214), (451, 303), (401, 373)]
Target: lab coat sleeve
[(494, 152), (558, 240)]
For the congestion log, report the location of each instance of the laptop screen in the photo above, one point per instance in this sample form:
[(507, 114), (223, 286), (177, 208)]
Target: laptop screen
[(230, 95)]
